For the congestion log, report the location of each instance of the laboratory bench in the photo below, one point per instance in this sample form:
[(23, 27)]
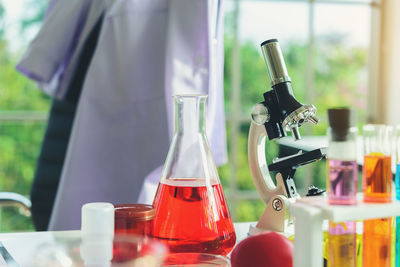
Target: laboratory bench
[(311, 215), (19, 249)]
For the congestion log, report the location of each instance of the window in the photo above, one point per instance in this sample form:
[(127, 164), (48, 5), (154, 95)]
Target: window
[(23, 108), (327, 48)]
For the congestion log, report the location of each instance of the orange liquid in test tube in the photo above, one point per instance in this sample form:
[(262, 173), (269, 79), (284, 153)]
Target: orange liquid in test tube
[(377, 178), (377, 243)]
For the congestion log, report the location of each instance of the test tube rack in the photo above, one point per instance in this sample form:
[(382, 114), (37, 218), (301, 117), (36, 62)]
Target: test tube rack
[(310, 213)]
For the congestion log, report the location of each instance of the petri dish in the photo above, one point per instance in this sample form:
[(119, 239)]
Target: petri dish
[(195, 259), (68, 249)]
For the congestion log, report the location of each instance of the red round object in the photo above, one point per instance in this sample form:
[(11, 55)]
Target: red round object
[(268, 249)]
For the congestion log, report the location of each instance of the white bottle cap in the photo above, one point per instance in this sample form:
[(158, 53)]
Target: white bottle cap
[(97, 233), (97, 219)]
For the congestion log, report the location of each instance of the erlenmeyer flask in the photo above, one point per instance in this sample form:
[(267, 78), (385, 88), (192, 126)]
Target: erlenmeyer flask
[(191, 210)]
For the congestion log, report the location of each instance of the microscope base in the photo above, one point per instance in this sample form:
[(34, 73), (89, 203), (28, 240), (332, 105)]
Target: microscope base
[(275, 217)]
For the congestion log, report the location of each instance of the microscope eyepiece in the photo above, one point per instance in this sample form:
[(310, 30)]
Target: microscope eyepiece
[(274, 62), (285, 112), (269, 41)]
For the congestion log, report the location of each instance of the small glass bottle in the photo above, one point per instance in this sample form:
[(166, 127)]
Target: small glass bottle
[(191, 210), (342, 178)]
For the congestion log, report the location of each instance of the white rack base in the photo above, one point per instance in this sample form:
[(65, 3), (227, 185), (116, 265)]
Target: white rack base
[(310, 214)]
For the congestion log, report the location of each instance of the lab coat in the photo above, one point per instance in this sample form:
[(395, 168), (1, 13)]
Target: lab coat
[(147, 52), (52, 57)]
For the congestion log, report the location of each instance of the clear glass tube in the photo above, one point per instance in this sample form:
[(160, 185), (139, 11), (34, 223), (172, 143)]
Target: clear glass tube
[(191, 210)]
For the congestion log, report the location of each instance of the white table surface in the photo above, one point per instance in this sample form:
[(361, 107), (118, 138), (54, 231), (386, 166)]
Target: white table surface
[(24, 247)]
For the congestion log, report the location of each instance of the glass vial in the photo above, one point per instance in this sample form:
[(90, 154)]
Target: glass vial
[(342, 175), (191, 210)]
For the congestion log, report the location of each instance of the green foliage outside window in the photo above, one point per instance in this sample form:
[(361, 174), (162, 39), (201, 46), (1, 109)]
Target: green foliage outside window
[(19, 140)]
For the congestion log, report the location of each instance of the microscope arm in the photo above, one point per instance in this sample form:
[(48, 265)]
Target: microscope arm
[(259, 167)]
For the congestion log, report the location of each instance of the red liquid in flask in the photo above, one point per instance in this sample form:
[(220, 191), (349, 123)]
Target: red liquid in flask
[(193, 217)]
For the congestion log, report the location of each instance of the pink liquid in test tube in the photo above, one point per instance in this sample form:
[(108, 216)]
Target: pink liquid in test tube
[(342, 182), (342, 178)]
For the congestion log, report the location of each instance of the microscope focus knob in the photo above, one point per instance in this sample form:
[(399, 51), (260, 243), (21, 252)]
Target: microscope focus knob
[(260, 114)]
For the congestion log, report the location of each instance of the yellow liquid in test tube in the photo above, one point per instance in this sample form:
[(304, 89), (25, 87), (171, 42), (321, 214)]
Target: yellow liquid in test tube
[(342, 244)]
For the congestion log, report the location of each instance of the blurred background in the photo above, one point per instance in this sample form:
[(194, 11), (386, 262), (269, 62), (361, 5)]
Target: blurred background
[(329, 50)]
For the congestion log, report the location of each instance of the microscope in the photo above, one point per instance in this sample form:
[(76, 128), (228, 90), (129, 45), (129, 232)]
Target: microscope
[(279, 113)]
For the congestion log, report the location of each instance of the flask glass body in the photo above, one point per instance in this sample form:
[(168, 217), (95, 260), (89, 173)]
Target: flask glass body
[(191, 210)]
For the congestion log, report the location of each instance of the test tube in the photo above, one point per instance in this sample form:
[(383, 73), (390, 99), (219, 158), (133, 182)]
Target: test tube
[(377, 187), (397, 160), (342, 174), (342, 244), (377, 239), (342, 184), (397, 246), (377, 168), (397, 183)]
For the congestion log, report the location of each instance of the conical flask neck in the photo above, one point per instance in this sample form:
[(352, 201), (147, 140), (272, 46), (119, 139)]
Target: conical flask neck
[(190, 114), (189, 156)]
